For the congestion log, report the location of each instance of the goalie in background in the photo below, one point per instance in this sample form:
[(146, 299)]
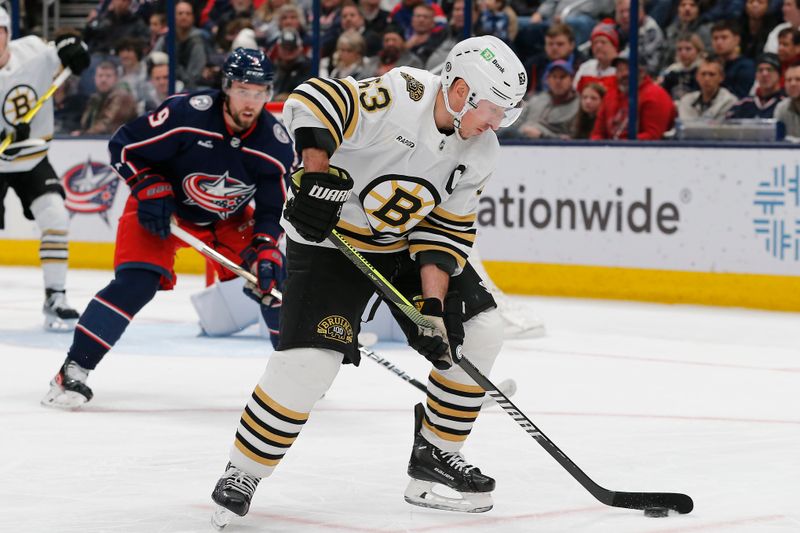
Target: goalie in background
[(27, 68)]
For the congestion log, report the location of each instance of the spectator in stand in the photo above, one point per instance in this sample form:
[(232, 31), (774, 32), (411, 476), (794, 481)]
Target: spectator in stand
[(229, 11), (788, 111), (353, 20), (110, 106), (118, 22), (292, 66), (687, 22), (191, 48), (711, 100), (498, 19), (265, 21), (599, 69), (651, 37), (376, 19), (403, 13), (582, 18), (423, 41), (559, 44), (768, 91), (158, 29), (394, 53), (791, 17), (740, 71), (788, 48), (680, 77), (68, 106), (591, 98), (157, 88), (722, 10), (349, 57), (656, 111), (330, 25), (550, 114), (756, 23), (453, 34), (134, 70)]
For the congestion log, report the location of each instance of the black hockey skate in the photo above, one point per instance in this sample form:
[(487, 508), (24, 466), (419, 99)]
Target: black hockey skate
[(430, 466), (68, 389), (233, 494), (58, 314)]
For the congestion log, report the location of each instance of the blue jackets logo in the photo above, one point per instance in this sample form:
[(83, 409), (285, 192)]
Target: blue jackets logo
[(90, 187), (777, 222), (221, 195)]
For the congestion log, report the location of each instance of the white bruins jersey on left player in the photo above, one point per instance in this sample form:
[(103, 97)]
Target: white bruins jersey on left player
[(415, 188), (23, 80)]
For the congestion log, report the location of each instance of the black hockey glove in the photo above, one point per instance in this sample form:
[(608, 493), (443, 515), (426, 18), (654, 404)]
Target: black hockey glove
[(449, 322), (265, 260), (156, 204), (73, 53), (21, 132), (315, 208)]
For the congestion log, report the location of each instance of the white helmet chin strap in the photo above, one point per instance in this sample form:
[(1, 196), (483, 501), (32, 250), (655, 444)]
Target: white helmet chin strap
[(457, 116)]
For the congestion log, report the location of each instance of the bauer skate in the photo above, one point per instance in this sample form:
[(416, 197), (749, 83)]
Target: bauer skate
[(68, 389), (233, 494), (429, 466), (58, 315)]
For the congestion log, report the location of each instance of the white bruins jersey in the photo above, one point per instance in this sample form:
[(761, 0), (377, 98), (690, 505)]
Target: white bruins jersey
[(23, 80), (415, 187)]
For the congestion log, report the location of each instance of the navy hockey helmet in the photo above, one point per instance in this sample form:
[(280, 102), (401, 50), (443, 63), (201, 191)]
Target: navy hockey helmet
[(248, 66)]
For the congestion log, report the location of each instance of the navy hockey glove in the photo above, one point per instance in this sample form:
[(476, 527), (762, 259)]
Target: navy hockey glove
[(156, 204), (73, 53), (449, 322), (266, 262), (316, 206)]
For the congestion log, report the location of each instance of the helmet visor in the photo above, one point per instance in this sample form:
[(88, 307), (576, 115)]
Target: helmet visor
[(497, 116)]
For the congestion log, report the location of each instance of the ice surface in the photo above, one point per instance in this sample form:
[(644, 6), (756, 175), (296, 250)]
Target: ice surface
[(643, 397)]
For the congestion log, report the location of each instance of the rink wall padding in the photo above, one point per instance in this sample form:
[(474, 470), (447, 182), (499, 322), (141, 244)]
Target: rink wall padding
[(703, 224)]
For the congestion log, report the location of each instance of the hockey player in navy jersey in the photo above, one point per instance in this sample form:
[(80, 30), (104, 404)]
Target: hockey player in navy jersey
[(200, 158)]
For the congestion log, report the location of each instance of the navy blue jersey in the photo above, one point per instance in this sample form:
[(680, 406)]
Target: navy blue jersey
[(214, 173)]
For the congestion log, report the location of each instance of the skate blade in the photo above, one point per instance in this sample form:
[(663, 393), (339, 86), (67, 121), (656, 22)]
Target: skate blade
[(221, 517), (422, 494), (59, 325), (58, 398)]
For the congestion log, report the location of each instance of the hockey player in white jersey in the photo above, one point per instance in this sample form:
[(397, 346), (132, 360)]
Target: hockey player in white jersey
[(27, 68), (396, 164)]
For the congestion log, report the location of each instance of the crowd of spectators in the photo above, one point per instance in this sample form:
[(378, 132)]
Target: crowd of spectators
[(699, 60)]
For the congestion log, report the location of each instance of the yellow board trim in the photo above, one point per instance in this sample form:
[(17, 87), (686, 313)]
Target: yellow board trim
[(760, 291), (250, 455), (97, 255)]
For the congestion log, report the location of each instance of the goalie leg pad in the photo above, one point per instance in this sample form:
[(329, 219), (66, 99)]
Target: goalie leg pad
[(454, 399), (223, 309), (280, 405)]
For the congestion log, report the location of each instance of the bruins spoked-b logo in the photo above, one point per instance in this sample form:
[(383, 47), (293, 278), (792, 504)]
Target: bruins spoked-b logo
[(18, 102), (395, 204), (336, 328)]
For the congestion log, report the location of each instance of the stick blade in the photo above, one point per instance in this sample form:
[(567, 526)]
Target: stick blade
[(642, 500)]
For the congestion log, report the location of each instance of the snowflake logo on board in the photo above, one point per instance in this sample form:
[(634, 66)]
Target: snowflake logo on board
[(221, 195), (778, 226)]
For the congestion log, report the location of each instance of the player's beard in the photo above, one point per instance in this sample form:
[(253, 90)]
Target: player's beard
[(237, 116)]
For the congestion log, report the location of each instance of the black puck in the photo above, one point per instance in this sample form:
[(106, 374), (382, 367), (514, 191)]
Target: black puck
[(656, 512)]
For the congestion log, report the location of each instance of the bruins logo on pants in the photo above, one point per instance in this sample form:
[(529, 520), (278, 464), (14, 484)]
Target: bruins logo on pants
[(336, 328)]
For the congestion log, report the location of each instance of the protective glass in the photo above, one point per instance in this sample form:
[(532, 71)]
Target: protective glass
[(497, 116)]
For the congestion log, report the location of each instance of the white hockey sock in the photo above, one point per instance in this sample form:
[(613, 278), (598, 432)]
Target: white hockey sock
[(454, 400), (280, 405), (53, 220)]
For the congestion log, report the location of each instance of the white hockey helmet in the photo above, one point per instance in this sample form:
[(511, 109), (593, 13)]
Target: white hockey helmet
[(5, 20), (492, 71)]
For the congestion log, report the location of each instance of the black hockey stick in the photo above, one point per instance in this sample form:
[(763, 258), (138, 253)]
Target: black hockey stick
[(508, 386), (631, 500)]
